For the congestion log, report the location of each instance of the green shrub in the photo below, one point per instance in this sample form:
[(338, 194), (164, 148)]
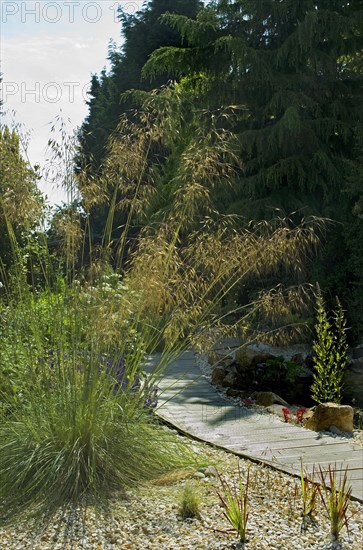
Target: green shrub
[(330, 353), (282, 370)]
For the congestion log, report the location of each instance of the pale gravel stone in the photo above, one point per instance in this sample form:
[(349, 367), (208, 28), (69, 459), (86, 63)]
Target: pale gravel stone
[(149, 520)]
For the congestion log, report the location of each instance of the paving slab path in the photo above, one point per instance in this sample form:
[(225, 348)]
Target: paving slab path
[(190, 403)]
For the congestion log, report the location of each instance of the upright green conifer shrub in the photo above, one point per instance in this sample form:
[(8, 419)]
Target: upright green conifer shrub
[(330, 353)]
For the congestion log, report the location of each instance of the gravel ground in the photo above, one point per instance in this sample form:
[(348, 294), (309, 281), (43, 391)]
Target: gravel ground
[(149, 517)]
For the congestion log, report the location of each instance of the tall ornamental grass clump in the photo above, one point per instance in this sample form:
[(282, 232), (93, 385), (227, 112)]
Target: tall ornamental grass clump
[(76, 414), (76, 404)]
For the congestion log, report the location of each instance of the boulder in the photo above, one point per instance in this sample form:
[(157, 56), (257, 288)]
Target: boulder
[(215, 359), (353, 382), (268, 398), (246, 357), (230, 380), (325, 415), (218, 375), (243, 357)]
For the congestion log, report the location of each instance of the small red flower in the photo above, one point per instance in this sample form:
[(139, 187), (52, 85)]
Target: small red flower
[(300, 415), (248, 402), (287, 414)]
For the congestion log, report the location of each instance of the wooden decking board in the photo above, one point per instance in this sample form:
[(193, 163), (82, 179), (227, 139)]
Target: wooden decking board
[(290, 450), (298, 444), (193, 406), (255, 433), (319, 459), (317, 451), (262, 438)]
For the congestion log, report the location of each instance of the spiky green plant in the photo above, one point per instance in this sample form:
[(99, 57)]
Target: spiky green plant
[(234, 501), (335, 494), (309, 493)]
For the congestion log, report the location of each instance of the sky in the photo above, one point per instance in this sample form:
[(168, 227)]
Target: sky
[(48, 52)]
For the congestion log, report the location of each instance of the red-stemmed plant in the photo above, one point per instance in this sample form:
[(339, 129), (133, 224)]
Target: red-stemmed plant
[(335, 494), (235, 504), (287, 414)]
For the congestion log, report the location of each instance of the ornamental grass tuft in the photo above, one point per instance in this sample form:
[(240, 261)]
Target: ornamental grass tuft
[(235, 504), (190, 501), (335, 494), (77, 413)]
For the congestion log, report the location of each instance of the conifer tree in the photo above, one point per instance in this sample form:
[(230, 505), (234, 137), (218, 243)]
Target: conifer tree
[(285, 63), (292, 74)]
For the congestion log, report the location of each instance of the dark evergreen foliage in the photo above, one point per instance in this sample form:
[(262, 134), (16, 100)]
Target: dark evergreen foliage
[(287, 77), (294, 70), (287, 63)]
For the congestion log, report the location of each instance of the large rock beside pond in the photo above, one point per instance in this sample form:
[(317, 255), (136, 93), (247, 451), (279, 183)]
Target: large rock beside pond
[(218, 375), (325, 415), (219, 359), (247, 357), (230, 380)]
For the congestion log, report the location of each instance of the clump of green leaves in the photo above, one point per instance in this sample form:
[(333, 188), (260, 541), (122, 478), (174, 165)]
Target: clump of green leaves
[(335, 494), (330, 353), (190, 501), (282, 370), (234, 501)]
